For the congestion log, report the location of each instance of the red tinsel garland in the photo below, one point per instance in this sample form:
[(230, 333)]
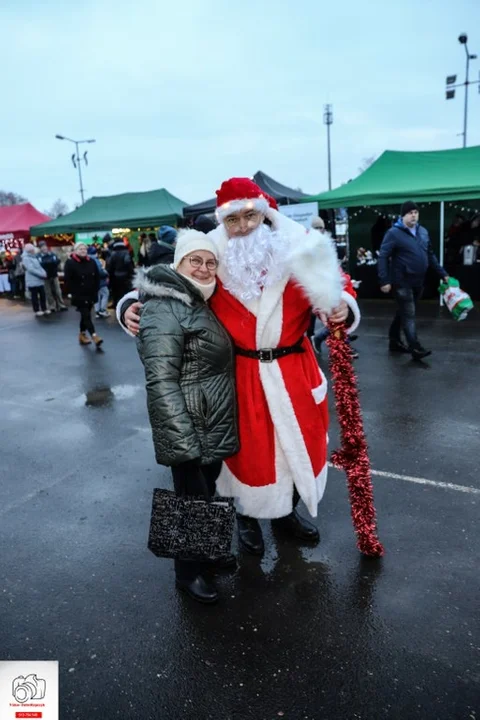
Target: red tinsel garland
[(352, 457)]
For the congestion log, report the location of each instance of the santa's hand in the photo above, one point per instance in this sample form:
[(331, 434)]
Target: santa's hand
[(338, 314), (132, 317)]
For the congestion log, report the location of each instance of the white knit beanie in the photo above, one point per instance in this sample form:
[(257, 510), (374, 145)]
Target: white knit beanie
[(188, 242)]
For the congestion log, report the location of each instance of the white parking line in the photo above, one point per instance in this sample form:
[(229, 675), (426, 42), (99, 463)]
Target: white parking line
[(422, 481)]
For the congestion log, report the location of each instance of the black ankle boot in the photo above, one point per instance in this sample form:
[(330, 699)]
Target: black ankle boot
[(250, 535), (199, 589), (297, 527), (419, 352)]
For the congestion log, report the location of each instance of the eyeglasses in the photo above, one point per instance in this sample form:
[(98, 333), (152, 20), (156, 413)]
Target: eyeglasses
[(198, 262)]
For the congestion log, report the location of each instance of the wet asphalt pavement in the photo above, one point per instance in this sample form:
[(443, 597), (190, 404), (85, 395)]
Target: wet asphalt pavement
[(302, 634)]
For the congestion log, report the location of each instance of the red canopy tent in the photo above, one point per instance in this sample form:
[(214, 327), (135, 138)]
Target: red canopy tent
[(15, 224)]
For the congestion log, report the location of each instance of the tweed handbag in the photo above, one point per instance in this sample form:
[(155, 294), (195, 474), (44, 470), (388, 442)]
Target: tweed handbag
[(190, 527)]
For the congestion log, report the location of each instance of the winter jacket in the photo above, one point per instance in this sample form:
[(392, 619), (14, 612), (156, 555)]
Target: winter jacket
[(82, 280), (160, 252), (405, 258), (103, 273), (120, 264), (50, 263), (34, 272), (188, 358)]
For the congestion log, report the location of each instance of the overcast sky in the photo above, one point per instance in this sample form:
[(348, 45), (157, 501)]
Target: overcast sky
[(185, 94)]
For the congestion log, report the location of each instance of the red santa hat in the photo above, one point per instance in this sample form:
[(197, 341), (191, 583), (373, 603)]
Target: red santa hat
[(242, 194)]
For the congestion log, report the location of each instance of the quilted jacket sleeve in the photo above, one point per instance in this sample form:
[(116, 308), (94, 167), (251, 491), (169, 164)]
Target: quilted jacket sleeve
[(161, 347)]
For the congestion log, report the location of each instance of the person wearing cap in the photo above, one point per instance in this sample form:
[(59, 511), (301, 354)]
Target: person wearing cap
[(405, 255), (272, 273), (162, 247), (82, 281), (34, 280), (188, 359), (120, 269), (51, 263)]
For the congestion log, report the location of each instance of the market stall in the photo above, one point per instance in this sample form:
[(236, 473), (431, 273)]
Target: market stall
[(15, 223), (444, 183), (125, 215)]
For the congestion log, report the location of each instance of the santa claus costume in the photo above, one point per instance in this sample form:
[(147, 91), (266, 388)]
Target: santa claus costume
[(282, 403)]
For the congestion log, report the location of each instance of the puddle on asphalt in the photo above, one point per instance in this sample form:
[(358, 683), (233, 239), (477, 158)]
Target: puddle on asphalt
[(105, 396)]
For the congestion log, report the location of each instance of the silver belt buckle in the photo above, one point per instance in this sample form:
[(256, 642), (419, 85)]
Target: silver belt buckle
[(266, 355)]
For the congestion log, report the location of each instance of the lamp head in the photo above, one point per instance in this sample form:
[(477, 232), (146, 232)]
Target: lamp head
[(463, 38)]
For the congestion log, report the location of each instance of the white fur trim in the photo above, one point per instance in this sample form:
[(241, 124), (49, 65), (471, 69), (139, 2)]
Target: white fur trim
[(145, 285), (353, 305), (320, 393), (260, 204), (190, 240), (270, 501), (132, 295)]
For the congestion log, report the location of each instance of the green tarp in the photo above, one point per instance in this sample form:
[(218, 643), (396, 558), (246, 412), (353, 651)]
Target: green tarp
[(420, 176), (132, 210)]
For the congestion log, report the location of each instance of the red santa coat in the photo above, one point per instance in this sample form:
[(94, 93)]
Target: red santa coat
[(282, 406)]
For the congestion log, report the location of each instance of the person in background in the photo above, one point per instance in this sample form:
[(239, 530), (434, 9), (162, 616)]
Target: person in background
[(51, 263), (34, 280), (192, 413), (162, 248), (120, 269), (19, 276), (321, 335), (204, 224), (405, 255), (144, 246), (10, 266), (82, 281), (103, 293)]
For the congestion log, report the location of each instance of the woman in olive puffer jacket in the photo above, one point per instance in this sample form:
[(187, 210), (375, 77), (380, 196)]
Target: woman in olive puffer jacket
[(189, 367)]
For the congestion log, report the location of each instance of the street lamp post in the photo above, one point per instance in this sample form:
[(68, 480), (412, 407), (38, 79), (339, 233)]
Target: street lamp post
[(328, 120), (76, 159), (452, 79)]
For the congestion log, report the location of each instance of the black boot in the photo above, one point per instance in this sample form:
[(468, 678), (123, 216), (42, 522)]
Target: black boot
[(250, 535), (419, 352), (397, 346), (189, 578), (199, 589), (297, 527)]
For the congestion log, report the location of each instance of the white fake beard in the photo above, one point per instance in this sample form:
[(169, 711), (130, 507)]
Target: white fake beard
[(254, 262)]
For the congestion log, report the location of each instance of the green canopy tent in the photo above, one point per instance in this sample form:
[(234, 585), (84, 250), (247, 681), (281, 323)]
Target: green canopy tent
[(132, 210), (432, 176)]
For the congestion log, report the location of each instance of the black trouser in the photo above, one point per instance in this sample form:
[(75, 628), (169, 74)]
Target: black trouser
[(119, 288), (20, 285), (38, 298), (194, 480), (86, 322), (407, 299)]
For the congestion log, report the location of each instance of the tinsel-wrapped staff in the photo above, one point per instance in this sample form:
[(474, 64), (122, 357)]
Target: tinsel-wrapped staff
[(352, 456)]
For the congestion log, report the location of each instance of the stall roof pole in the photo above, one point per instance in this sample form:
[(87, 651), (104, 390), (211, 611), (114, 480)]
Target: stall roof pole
[(442, 238)]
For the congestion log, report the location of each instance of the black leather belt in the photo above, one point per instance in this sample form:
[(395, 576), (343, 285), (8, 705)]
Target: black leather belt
[(268, 355)]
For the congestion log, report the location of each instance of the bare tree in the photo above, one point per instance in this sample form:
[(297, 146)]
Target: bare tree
[(366, 162), (58, 209), (11, 198)]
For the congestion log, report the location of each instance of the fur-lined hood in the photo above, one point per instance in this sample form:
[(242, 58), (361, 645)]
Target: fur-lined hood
[(162, 281)]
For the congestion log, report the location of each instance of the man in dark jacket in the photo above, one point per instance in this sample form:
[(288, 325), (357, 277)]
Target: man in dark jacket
[(51, 263), (120, 269), (162, 247), (405, 255)]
